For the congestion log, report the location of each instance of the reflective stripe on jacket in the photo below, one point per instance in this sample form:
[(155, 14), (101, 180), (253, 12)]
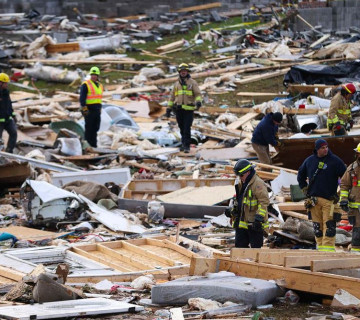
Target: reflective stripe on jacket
[(186, 94), (350, 187), (339, 110), (94, 94)]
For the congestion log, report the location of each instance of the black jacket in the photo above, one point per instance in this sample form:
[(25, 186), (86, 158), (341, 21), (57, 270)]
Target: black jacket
[(265, 132), (83, 96), (6, 110), (325, 183)]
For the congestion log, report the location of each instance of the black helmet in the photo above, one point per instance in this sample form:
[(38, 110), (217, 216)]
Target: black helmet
[(242, 166)]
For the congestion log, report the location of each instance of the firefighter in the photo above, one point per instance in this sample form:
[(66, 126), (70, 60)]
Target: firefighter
[(185, 98), (322, 169), (248, 211), (265, 133), (91, 92), (339, 118), (7, 114), (350, 198)]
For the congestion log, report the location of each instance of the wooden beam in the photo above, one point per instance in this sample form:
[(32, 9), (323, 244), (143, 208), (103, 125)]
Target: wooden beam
[(63, 47), (340, 263), (269, 95), (170, 46), (292, 206), (201, 7), (131, 90), (295, 214), (263, 76), (306, 260), (240, 122), (291, 278), (269, 166), (60, 62)]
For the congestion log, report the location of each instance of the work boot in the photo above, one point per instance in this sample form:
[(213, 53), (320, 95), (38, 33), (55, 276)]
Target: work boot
[(186, 150), (182, 148)]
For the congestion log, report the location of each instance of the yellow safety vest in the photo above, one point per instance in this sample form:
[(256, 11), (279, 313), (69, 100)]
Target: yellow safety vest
[(94, 94)]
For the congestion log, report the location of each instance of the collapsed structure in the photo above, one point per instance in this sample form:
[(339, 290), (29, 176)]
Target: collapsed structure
[(135, 213)]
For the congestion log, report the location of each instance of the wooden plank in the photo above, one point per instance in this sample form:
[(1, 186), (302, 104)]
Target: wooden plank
[(61, 62), (292, 206), (171, 245), (244, 119), (306, 260), (295, 214), (63, 47), (291, 278), (309, 88), (269, 166), (325, 265), (170, 46), (267, 175), (321, 40), (263, 76), (11, 274), (201, 7), (244, 253), (269, 95), (131, 90)]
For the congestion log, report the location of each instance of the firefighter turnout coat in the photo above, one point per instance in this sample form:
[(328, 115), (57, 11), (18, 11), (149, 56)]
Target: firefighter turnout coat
[(186, 94), (350, 188), (339, 111)]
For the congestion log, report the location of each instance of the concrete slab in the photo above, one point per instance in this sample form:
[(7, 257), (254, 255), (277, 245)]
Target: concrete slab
[(221, 287)]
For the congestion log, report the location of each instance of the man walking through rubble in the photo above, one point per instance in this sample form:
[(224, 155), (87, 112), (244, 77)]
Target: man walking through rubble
[(248, 212), (350, 198), (91, 92), (185, 97), (7, 114), (266, 133), (322, 169), (339, 118)]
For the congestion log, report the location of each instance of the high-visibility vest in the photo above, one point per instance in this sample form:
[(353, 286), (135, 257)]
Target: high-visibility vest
[(94, 94)]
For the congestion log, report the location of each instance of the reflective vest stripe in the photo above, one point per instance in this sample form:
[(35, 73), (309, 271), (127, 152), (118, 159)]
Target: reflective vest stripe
[(243, 224), (355, 250), (94, 94), (347, 111), (186, 92), (326, 248), (354, 205)]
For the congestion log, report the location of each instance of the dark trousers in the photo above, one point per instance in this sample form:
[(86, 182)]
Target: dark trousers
[(92, 126), (10, 127), (185, 119), (246, 237)]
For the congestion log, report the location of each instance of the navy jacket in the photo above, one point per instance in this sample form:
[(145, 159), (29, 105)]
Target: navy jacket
[(265, 132), (326, 181), (83, 96), (6, 110)]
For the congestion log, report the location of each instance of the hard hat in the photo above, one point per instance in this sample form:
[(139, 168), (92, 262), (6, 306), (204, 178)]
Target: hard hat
[(95, 70), (349, 87), (242, 166), (357, 149), (183, 66), (4, 77)]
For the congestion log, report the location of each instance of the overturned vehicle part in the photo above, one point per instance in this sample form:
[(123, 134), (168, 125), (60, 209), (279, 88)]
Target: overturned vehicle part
[(45, 204)]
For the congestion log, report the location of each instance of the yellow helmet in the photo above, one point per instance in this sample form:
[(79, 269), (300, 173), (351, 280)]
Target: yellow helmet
[(357, 149), (4, 77), (183, 66), (95, 70)]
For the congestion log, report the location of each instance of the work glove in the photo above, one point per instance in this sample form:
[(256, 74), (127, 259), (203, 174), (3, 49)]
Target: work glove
[(259, 218), (198, 105), (84, 111), (257, 226), (305, 190), (280, 144), (309, 203), (344, 205), (337, 216), (351, 123), (168, 113), (227, 212)]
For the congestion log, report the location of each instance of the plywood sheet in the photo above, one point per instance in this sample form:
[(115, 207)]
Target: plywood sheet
[(24, 233), (224, 154), (199, 196)]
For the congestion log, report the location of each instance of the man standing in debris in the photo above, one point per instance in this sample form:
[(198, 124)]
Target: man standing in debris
[(266, 133), (248, 211), (7, 114), (339, 118), (322, 169), (185, 97), (350, 198), (91, 92)]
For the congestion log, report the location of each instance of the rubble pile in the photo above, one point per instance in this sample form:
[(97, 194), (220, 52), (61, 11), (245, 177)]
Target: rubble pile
[(138, 225)]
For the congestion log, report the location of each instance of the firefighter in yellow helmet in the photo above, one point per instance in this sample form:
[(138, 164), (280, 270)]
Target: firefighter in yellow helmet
[(350, 198), (91, 92), (7, 114), (339, 118), (185, 98)]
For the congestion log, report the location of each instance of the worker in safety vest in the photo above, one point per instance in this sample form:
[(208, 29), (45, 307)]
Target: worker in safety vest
[(318, 178), (350, 198), (185, 98), (339, 118), (91, 92), (7, 114), (248, 210)]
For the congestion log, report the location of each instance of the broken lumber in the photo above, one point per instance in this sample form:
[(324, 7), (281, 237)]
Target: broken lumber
[(170, 46), (244, 119), (260, 77), (292, 206), (60, 62), (201, 7), (269, 166), (291, 278), (63, 47), (295, 215), (325, 265), (130, 90)]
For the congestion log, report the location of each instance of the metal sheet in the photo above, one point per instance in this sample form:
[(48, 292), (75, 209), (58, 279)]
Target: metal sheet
[(295, 151), (72, 308)]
